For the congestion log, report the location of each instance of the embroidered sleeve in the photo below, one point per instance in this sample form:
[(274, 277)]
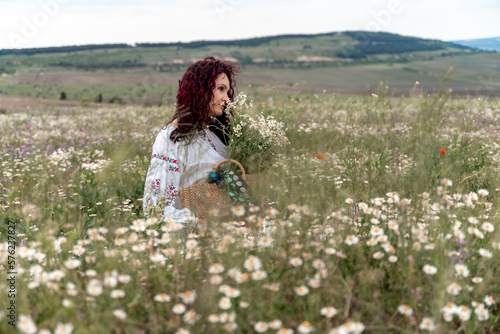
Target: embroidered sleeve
[(161, 188)]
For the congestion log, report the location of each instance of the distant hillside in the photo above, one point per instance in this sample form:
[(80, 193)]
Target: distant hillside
[(365, 43), (299, 50), (488, 44)]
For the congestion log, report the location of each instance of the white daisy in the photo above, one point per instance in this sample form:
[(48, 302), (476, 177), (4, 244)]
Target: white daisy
[(328, 311), (429, 270)]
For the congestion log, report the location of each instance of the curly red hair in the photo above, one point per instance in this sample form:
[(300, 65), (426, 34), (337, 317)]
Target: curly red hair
[(195, 93)]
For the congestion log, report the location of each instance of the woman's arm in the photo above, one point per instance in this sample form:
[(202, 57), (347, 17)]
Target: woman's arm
[(161, 189)]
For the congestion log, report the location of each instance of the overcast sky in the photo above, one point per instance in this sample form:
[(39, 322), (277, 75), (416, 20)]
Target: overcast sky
[(43, 23)]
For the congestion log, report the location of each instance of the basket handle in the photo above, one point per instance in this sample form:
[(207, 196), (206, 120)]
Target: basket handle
[(217, 165)]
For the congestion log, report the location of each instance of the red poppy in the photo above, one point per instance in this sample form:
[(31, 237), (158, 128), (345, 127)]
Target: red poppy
[(319, 156), (442, 151)]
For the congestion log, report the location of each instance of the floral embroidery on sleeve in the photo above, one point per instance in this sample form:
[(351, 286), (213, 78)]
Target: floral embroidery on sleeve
[(172, 165), (172, 162), (155, 186), (171, 193)]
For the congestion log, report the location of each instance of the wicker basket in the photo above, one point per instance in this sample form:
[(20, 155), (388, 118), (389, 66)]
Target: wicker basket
[(205, 199)]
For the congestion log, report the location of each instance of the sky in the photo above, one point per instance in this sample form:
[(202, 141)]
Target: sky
[(46, 23)]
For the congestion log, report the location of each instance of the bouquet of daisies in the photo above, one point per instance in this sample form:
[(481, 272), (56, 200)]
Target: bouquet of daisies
[(253, 139)]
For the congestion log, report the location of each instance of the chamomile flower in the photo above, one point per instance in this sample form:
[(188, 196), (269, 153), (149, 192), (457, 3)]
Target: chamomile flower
[(477, 280), (461, 270), (450, 308), (265, 241), (67, 303), (375, 231), (351, 240), (191, 244), (213, 318), (216, 268), (120, 314), (318, 264), (301, 290), (453, 289), (487, 227), (260, 327), (230, 326), (63, 328), (117, 293), (315, 282), (259, 275), (489, 300), (94, 287), (427, 324), (215, 279), (353, 327), (485, 253), (429, 270), (238, 210), (162, 298), (232, 292), (157, 257), (188, 296), (110, 281), (464, 312), (305, 327), (483, 192), (285, 331), (296, 261), (179, 308), (328, 311), (26, 325), (252, 263), (190, 317), (481, 312), (276, 324), (225, 303), (72, 263), (405, 310)]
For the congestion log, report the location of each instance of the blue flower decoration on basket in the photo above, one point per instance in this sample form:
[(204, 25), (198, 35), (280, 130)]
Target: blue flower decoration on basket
[(228, 181)]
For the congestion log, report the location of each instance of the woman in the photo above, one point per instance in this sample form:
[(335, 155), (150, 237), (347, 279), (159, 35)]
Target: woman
[(186, 150)]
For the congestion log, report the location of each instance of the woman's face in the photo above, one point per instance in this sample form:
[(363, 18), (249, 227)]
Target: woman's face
[(219, 95)]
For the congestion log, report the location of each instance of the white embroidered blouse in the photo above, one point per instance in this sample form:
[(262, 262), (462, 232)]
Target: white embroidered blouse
[(177, 165)]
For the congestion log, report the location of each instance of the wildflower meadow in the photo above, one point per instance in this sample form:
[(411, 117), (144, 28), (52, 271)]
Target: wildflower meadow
[(380, 218)]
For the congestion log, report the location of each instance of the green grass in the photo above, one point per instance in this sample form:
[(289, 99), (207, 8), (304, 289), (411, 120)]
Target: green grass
[(472, 75), (381, 167)]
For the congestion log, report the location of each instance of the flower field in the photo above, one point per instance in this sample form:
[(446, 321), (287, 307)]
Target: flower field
[(381, 218)]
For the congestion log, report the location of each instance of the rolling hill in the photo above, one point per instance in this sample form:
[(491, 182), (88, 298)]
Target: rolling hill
[(350, 62), (488, 44), (335, 47)]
